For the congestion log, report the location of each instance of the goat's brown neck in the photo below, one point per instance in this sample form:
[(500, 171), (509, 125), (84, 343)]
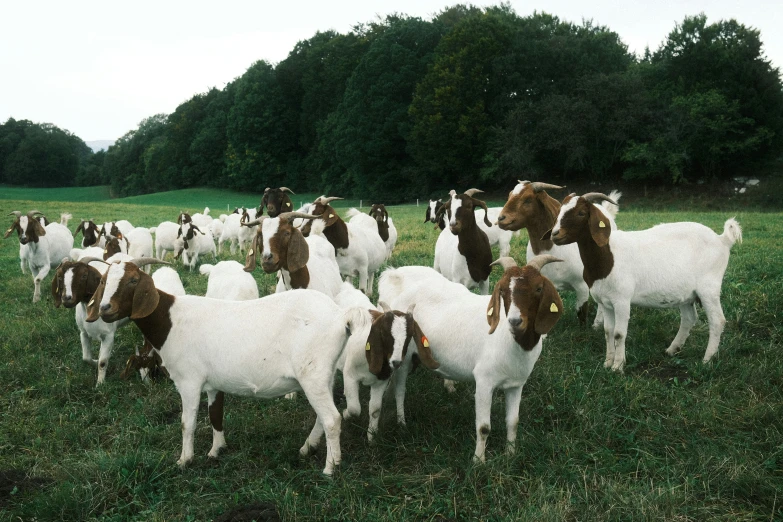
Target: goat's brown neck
[(598, 261), (298, 279), (543, 221), (474, 245), (337, 234), (528, 339), (383, 230), (156, 326)]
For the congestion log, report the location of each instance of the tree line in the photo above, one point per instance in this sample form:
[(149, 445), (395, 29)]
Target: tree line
[(403, 107)]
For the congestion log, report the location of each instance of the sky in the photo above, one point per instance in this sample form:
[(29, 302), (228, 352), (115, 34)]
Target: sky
[(98, 68)]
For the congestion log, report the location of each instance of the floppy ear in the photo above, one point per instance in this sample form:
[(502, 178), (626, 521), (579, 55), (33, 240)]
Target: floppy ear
[(385, 215), (493, 310), (329, 216), (374, 348), (93, 279), (427, 215), (94, 305), (298, 251), (57, 290), (600, 227), (80, 228), (286, 202), (10, 230), (250, 260), (39, 230), (199, 230), (549, 309), (145, 298), (179, 232), (423, 348)]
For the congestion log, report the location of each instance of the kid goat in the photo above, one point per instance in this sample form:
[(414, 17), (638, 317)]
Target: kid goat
[(674, 265)]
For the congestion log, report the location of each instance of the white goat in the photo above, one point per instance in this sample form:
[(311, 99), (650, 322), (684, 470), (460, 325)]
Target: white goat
[(166, 239), (41, 249), (112, 229), (140, 244), (229, 281), (674, 265), (524, 306), (216, 227), (261, 348), (196, 243)]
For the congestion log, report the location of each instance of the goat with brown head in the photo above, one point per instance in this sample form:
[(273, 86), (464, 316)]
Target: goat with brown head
[(336, 231), (387, 343), (381, 217), (530, 207), (27, 227), (132, 293), (276, 201), (530, 300), (114, 246), (90, 232), (473, 242), (75, 282)]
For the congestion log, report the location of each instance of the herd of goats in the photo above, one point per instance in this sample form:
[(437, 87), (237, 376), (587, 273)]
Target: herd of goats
[(317, 322)]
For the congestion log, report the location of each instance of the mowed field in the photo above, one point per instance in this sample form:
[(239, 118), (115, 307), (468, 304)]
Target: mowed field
[(671, 439)]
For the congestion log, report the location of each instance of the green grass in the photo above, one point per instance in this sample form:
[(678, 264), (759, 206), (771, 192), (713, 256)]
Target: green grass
[(77, 194), (671, 439)]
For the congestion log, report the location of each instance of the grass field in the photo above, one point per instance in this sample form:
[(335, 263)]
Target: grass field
[(671, 439)]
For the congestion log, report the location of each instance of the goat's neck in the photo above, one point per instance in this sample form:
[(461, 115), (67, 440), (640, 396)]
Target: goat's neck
[(296, 280), (597, 260), (156, 326), (337, 234), (474, 246), (383, 230), (543, 221)]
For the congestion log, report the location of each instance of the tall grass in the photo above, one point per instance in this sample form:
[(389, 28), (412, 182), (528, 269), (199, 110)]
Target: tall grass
[(671, 439)]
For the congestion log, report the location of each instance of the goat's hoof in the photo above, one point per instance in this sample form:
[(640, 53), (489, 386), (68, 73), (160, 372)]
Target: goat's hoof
[(182, 463), (618, 368), (510, 450), (347, 414), (607, 364), (290, 396), (479, 459), (305, 450)]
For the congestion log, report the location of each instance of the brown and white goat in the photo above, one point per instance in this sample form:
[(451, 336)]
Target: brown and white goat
[(276, 200), (91, 234), (386, 228), (462, 252)]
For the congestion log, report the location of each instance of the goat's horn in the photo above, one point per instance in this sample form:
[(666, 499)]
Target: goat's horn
[(411, 308), (87, 260), (505, 262), (33, 213), (290, 216), (16, 213), (538, 262), (326, 201), (538, 186), (267, 190), (384, 306), (286, 189), (597, 197), (144, 261), (472, 191), (254, 222)]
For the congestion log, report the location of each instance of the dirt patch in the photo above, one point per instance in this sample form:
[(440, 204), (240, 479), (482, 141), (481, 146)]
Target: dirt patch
[(263, 512), (14, 483), (666, 372)]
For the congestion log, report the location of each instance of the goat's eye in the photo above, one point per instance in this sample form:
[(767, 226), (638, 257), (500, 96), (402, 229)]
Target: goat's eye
[(539, 289), (84, 276), (581, 213), (133, 281)]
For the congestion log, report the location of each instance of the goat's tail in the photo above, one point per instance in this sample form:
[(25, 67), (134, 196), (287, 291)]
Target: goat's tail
[(153, 229), (205, 269), (64, 217), (610, 209), (732, 232), (390, 284), (352, 212), (206, 211), (358, 322)]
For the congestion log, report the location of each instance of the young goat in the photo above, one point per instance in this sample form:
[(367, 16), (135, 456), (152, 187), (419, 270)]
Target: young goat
[(41, 249), (531, 208), (674, 265), (195, 243), (276, 201), (229, 281), (462, 253), (214, 346), (436, 213), (523, 307)]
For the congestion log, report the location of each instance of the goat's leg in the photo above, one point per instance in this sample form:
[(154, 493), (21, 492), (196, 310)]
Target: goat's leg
[(582, 298), (400, 380), (107, 344), (86, 348), (320, 396), (451, 386), (190, 398), (608, 334), (370, 283), (37, 278), (483, 426), (215, 402), (513, 398), (622, 314), (376, 402), (484, 287), (363, 277), (351, 389), (717, 321), (688, 318), (504, 246)]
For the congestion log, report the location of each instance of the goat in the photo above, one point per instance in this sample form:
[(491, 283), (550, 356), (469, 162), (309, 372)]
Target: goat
[(235, 233), (229, 281), (433, 211), (276, 201), (386, 228), (167, 239), (140, 244), (40, 248), (216, 227), (439, 214), (531, 208), (503, 357), (673, 265), (302, 263), (116, 229), (463, 253), (358, 247), (91, 234), (65, 217), (214, 346), (195, 243)]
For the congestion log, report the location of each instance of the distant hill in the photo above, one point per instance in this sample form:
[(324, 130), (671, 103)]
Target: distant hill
[(99, 144)]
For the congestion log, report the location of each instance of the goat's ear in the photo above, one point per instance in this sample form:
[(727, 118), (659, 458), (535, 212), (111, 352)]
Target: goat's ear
[(250, 259), (385, 215), (198, 229), (94, 305), (549, 309), (10, 230), (179, 232), (39, 230), (423, 348), (80, 228), (600, 226), (57, 289), (330, 216), (373, 349), (298, 251), (287, 203), (493, 309), (145, 297), (93, 279), (547, 235), (427, 215)]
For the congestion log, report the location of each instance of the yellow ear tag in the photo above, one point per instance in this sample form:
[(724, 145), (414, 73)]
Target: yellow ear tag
[(491, 310), (8, 231), (288, 204), (367, 347), (250, 252), (424, 341), (553, 308), (331, 216), (91, 302), (105, 250), (601, 224)]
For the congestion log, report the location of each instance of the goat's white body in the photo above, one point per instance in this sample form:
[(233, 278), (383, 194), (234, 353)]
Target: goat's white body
[(321, 264), (123, 225), (77, 253), (46, 254), (367, 220), (166, 239), (454, 320), (200, 245), (202, 220), (214, 345), (672, 265), (168, 280), (453, 265), (236, 234), (229, 281), (365, 254), (140, 244), (216, 227)]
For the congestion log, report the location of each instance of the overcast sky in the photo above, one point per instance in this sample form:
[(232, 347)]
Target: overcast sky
[(98, 68)]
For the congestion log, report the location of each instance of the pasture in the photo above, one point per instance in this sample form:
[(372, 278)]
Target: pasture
[(671, 439)]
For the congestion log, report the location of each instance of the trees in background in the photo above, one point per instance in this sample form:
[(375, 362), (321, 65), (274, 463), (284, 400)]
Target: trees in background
[(403, 107)]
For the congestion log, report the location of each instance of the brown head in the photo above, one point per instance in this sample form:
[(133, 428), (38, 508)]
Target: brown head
[(387, 344), (27, 227), (580, 219), (336, 231), (276, 200), (530, 300), (184, 217), (90, 232), (278, 243), (75, 282), (124, 291), (113, 247), (461, 208), (529, 205), (109, 230), (147, 358), (381, 216), (433, 206)]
